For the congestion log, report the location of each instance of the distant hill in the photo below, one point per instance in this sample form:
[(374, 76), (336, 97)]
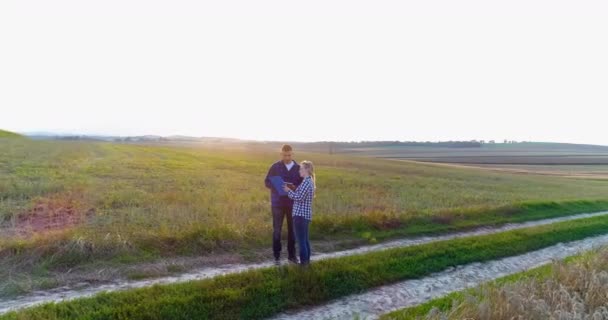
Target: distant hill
[(8, 134)]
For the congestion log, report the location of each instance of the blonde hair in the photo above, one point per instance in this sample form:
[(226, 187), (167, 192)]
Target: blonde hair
[(308, 166)]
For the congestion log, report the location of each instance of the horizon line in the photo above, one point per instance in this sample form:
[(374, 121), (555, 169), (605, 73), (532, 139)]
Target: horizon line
[(483, 141)]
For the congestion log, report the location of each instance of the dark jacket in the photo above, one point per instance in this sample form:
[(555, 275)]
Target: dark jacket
[(278, 169)]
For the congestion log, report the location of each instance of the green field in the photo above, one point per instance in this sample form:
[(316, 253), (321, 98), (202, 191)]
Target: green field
[(82, 205)]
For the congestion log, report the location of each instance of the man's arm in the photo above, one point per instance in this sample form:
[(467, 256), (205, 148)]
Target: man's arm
[(267, 180)]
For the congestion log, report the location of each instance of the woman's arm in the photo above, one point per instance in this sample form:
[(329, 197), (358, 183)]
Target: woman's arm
[(301, 191)]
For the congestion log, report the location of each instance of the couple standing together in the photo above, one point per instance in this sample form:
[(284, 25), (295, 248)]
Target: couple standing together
[(295, 207)]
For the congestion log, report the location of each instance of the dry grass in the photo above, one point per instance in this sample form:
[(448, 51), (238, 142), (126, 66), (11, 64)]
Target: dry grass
[(576, 290)]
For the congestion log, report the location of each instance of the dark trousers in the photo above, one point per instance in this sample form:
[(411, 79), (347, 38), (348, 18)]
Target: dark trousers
[(278, 215), (301, 228)]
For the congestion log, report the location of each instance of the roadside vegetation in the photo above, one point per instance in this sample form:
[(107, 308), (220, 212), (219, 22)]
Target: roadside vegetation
[(82, 205), (574, 288), (261, 293)]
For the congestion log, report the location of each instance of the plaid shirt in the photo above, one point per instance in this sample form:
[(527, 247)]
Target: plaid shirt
[(302, 199)]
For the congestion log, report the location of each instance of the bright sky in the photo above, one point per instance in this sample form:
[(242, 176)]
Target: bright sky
[(307, 70)]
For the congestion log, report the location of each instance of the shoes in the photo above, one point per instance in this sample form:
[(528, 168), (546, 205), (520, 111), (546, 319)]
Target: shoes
[(277, 261)]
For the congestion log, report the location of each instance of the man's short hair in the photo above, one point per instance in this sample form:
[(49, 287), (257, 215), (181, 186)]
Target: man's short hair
[(286, 148)]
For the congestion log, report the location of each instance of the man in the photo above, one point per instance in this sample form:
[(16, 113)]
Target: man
[(282, 206)]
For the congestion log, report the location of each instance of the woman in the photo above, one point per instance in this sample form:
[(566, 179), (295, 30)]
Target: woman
[(302, 208)]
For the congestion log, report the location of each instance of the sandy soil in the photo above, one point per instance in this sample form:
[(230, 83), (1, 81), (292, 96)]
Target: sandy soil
[(48, 214)]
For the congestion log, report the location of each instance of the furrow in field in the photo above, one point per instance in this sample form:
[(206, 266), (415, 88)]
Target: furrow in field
[(64, 293), (376, 302)]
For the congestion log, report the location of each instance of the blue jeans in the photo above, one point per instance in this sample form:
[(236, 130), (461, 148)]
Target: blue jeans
[(278, 215), (300, 226)]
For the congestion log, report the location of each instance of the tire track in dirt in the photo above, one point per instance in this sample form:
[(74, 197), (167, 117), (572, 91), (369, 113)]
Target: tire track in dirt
[(381, 300), (69, 293)]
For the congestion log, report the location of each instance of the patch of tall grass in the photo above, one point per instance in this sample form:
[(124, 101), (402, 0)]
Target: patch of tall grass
[(569, 289)]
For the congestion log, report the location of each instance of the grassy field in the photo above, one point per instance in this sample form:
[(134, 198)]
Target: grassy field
[(256, 294), (66, 205), (573, 288)]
